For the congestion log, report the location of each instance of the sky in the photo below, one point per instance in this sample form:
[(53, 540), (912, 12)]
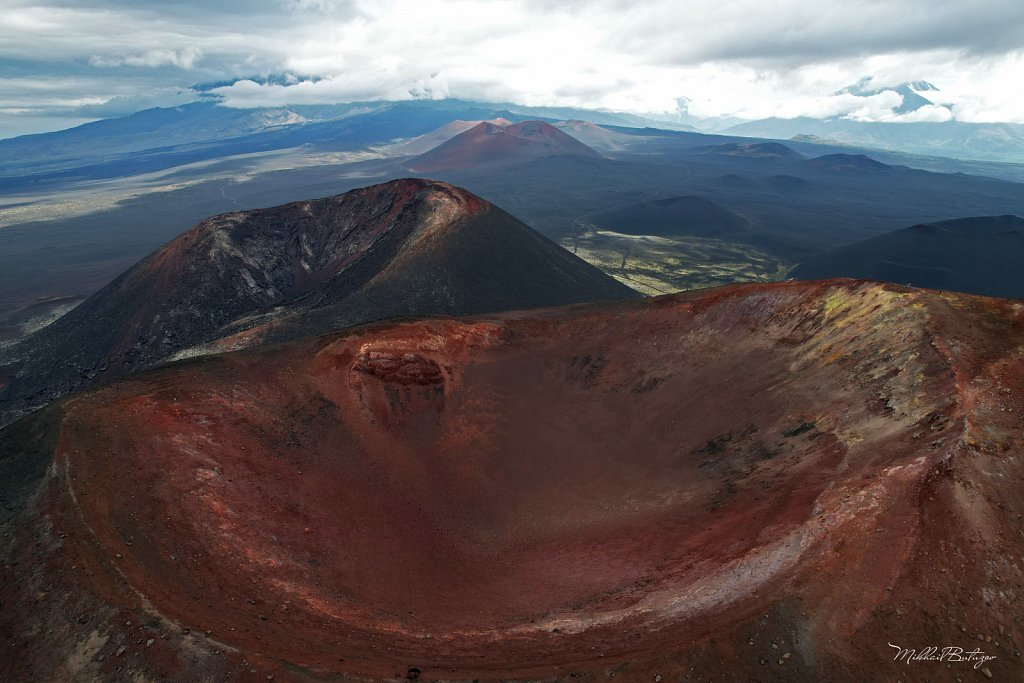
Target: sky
[(63, 62)]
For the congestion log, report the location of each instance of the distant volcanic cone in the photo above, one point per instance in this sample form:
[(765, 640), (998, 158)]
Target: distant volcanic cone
[(488, 143), (764, 482)]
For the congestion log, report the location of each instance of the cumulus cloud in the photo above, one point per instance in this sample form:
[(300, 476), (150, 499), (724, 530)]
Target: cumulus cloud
[(744, 58)]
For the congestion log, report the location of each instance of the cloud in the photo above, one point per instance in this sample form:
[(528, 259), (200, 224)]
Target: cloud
[(122, 105), (185, 58), (792, 32), (745, 58), (321, 6)]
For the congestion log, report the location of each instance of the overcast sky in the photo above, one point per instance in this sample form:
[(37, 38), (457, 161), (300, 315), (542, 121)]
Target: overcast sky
[(65, 61)]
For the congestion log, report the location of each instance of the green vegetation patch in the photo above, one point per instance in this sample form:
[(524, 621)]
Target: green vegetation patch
[(661, 265)]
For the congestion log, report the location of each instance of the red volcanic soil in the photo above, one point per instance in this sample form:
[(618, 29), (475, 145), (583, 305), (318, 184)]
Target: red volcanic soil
[(488, 143), (429, 141), (760, 482)]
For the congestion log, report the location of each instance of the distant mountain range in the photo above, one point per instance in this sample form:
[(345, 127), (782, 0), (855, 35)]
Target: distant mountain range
[(160, 138), (205, 130), (984, 141), (933, 131)]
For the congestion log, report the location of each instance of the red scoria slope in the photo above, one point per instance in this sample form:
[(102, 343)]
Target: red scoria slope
[(766, 482), (488, 143)]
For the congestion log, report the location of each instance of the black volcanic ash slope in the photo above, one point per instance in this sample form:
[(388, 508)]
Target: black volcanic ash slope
[(687, 215), (981, 255), (404, 248)]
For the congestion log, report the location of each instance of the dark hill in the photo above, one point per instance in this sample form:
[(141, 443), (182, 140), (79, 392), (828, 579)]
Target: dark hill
[(981, 255), (735, 181), (686, 215), (787, 183), (752, 150), (847, 163), (403, 248)]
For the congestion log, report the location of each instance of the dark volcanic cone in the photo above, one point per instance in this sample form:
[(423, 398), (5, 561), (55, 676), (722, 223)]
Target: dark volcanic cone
[(767, 482), (404, 248), (848, 163), (980, 255), (752, 150)]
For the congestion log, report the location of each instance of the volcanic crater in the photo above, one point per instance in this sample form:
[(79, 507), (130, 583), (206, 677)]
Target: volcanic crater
[(584, 490)]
